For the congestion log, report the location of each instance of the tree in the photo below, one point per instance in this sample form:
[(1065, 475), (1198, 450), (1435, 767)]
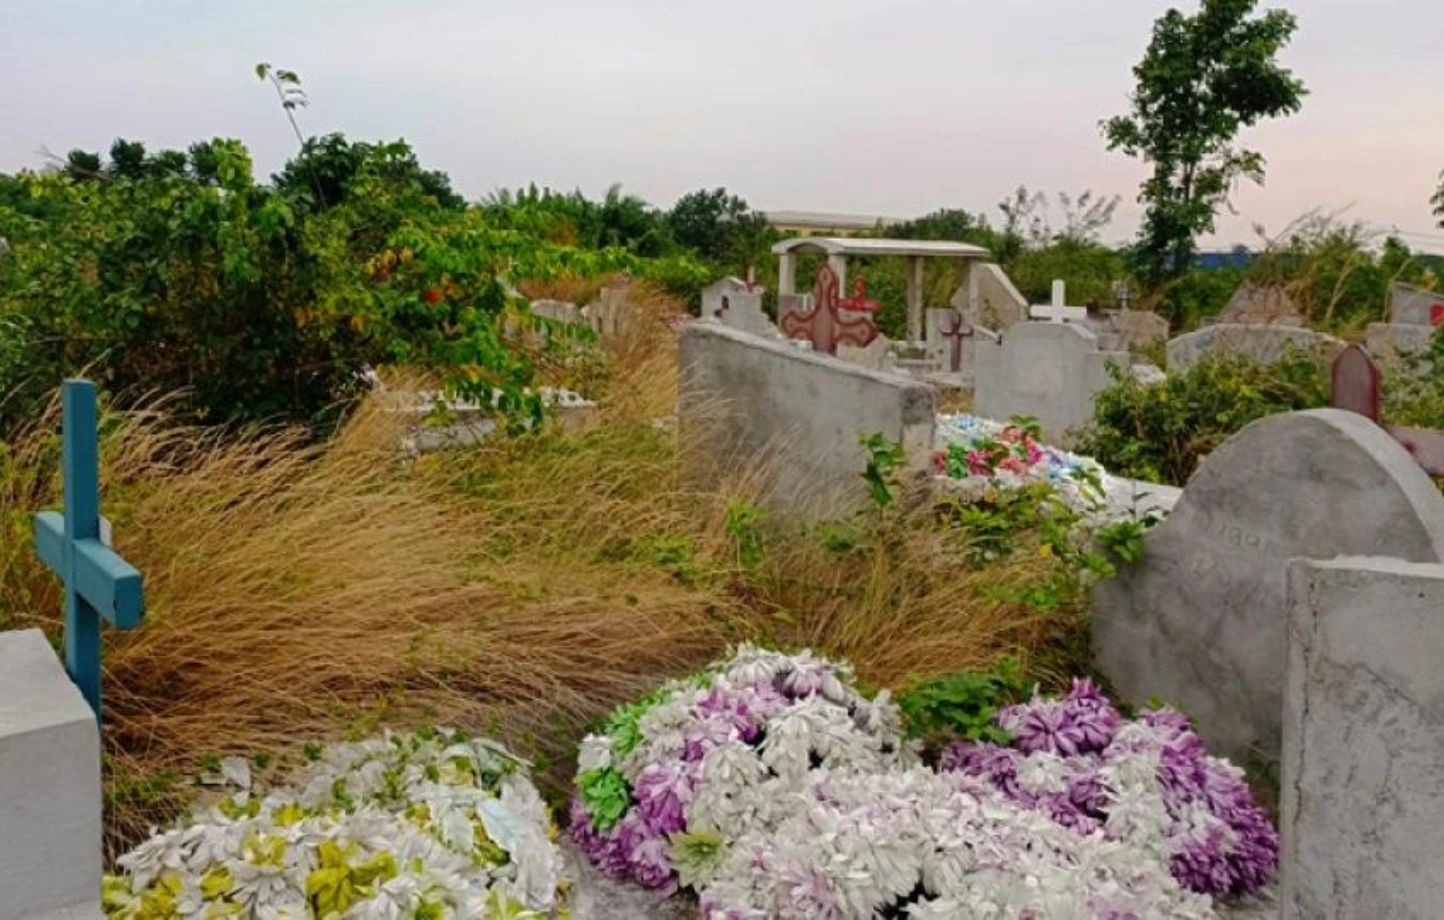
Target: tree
[(1202, 79), (719, 226), (1438, 201)]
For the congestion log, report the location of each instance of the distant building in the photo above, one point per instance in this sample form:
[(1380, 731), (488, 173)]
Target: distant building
[(818, 223), (1237, 257)]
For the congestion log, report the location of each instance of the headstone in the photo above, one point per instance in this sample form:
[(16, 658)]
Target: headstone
[(793, 417), (949, 341), (1395, 340), (1139, 329), (1148, 374), (876, 355), (50, 860), (1057, 310), (1261, 304), (1363, 758), (733, 302), (1414, 306), (831, 320), (1050, 371), (607, 315), (558, 311), (1265, 344), (1199, 620)]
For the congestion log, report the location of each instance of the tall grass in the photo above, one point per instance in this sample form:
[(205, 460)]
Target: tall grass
[(301, 591)]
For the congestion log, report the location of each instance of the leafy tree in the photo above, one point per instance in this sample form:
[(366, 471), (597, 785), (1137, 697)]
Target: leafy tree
[(324, 172), (1202, 79), (719, 226)]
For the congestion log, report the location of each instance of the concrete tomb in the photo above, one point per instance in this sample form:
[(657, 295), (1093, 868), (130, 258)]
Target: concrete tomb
[(1200, 620), (793, 417), (1261, 304), (1050, 371), (738, 304), (1262, 343), (1139, 329), (1363, 741), (50, 860), (1414, 316)]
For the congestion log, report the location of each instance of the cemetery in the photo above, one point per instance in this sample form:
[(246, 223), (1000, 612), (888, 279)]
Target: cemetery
[(371, 550)]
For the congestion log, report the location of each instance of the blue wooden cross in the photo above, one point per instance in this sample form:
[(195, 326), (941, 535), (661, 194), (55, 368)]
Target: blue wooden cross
[(97, 581)]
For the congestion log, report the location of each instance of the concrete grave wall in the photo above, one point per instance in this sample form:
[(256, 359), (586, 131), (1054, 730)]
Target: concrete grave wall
[(1050, 371), (743, 306), (558, 310), (1199, 621), (1412, 305), (1262, 343), (1363, 761), (49, 787), (1392, 340), (794, 417)]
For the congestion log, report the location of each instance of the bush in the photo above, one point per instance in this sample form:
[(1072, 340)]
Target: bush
[(1160, 433)]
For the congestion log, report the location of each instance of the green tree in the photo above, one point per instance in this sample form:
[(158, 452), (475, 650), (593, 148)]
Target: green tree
[(1202, 79), (719, 226)]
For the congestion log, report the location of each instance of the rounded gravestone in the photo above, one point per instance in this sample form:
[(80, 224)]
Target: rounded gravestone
[(1200, 620)]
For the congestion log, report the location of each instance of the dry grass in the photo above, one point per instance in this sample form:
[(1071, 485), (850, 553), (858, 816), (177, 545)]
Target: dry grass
[(299, 592)]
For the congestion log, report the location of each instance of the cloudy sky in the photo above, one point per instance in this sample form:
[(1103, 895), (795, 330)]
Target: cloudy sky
[(888, 107)]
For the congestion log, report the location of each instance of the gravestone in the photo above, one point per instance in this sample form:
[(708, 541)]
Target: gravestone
[(1139, 329), (1050, 371), (792, 417), (1363, 758), (876, 355), (735, 303), (1265, 344), (1394, 340), (1261, 304), (949, 344), (1199, 620), (49, 787), (558, 311), (1415, 306), (992, 300), (608, 314)]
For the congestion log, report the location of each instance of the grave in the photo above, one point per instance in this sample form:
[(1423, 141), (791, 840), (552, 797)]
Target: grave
[(1261, 304), (738, 304), (50, 860), (829, 320), (1363, 740), (607, 315), (793, 416), (1261, 342), (1057, 311), (950, 348), (1200, 620), (1414, 316), (1137, 330), (559, 311), (1050, 371), (990, 299)]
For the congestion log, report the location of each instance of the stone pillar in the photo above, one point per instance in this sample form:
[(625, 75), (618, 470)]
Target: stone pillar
[(786, 274), (838, 264), (49, 786), (1363, 752), (915, 299), (968, 288)]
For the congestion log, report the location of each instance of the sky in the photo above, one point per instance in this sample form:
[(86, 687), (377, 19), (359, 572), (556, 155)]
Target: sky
[(877, 107)]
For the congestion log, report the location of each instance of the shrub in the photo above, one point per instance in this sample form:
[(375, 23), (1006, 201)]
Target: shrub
[(1161, 432)]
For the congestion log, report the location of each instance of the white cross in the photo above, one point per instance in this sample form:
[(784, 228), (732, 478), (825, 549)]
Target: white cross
[(1056, 311)]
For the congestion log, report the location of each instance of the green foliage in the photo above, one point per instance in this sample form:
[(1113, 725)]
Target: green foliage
[(720, 228), (744, 525), (1124, 539), (962, 705), (1203, 78), (884, 458), (266, 302), (1160, 433)]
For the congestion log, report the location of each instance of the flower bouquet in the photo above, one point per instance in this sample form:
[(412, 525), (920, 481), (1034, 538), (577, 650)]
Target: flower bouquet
[(674, 779), (404, 826), (1148, 782)]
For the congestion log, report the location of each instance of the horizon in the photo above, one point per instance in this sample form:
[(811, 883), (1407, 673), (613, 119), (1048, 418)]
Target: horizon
[(754, 98)]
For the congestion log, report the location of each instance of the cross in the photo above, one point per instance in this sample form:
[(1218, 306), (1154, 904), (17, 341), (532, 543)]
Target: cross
[(98, 583), (1056, 311), (956, 331), (824, 325)]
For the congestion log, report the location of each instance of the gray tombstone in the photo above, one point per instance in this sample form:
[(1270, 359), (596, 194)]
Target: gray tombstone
[(1139, 329), (947, 347), (1414, 306), (607, 315), (735, 303), (558, 311), (1199, 621), (1363, 765), (1050, 371), (1261, 304), (1259, 342)]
